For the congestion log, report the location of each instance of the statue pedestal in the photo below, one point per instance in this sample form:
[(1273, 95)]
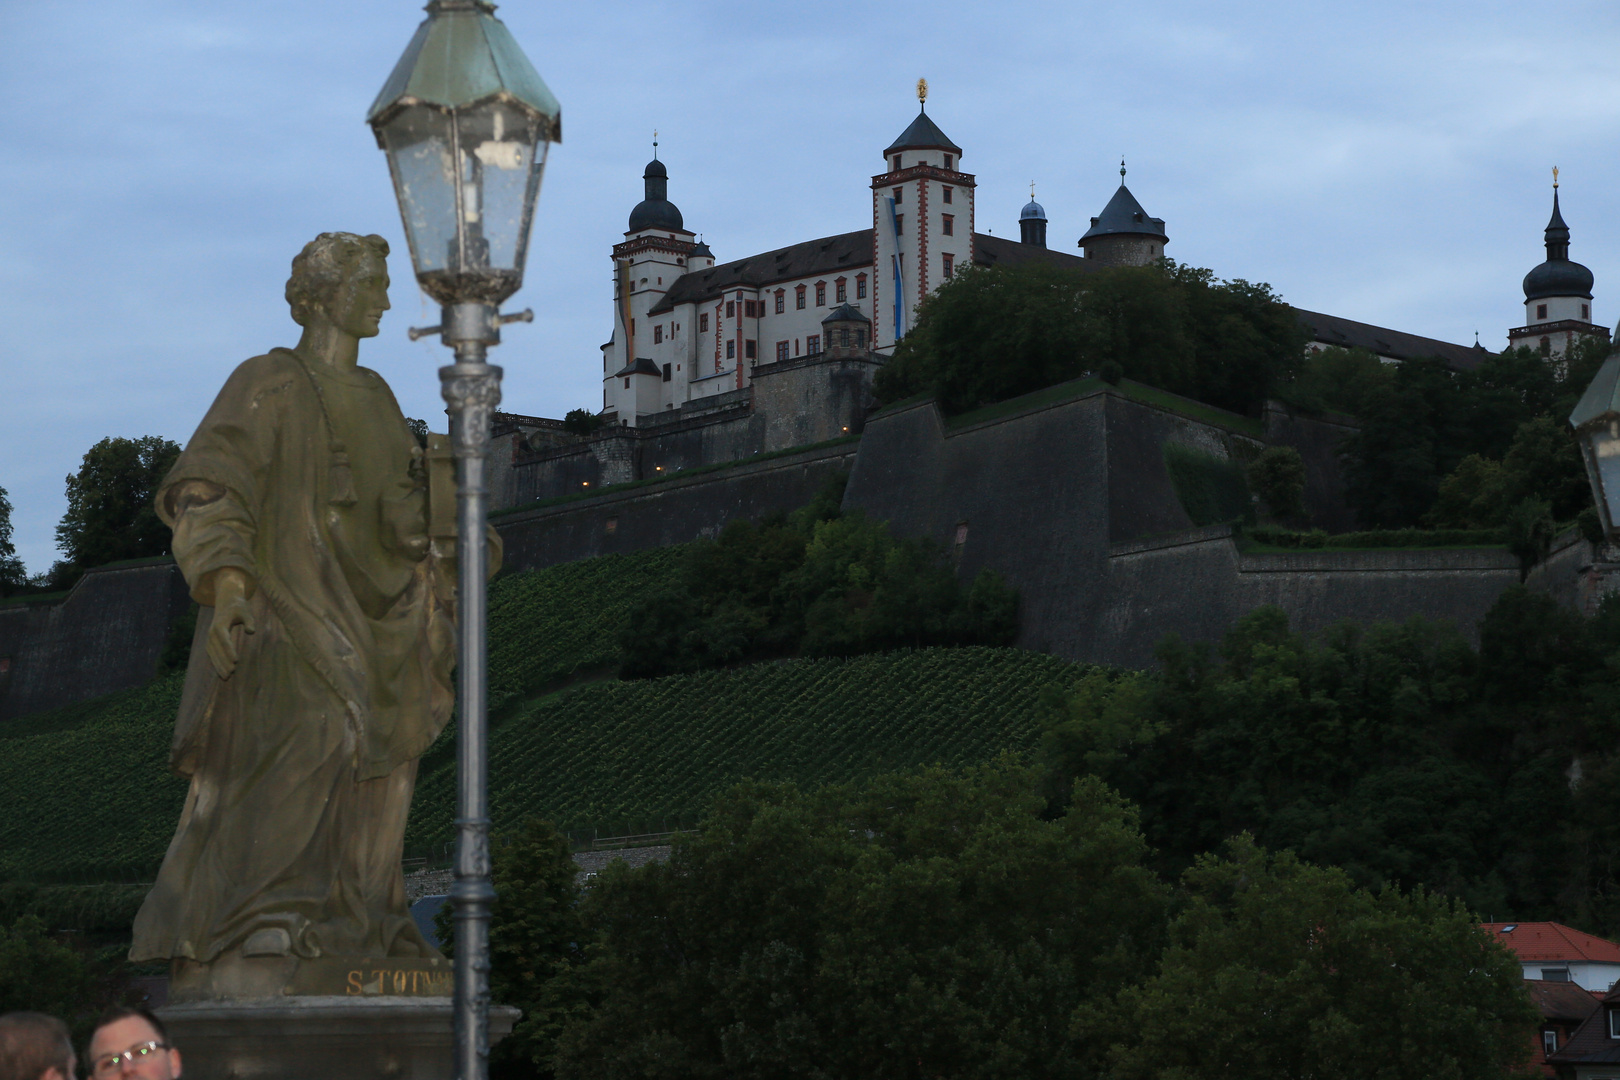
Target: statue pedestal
[(321, 1037)]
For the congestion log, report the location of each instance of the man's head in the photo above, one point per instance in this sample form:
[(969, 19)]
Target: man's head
[(131, 1042), (34, 1046), (344, 277)]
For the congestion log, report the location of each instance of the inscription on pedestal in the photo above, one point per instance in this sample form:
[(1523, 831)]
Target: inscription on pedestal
[(374, 978)]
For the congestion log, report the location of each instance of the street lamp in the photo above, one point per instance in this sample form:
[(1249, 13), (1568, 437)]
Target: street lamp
[(1596, 421), (466, 122)]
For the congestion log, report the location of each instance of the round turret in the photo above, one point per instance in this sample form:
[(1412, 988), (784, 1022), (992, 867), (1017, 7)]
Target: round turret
[(655, 211), (1032, 222)]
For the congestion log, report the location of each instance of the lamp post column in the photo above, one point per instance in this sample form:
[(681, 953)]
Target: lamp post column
[(471, 388)]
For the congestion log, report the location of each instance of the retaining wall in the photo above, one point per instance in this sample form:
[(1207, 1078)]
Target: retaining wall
[(107, 634), (667, 512)]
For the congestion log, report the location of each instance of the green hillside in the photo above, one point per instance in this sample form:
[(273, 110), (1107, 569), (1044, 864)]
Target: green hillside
[(619, 751), (85, 792)]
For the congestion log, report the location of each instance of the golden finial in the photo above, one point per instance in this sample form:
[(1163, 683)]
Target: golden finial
[(1032, 191), (1555, 178), (922, 92)]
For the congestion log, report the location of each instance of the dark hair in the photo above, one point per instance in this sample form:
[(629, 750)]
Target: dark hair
[(124, 1012), (30, 1043)]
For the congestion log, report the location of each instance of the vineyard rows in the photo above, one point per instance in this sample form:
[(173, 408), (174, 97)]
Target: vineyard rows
[(622, 751), (86, 794)]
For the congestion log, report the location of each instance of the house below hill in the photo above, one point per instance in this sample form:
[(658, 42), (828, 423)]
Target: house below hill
[(1553, 952)]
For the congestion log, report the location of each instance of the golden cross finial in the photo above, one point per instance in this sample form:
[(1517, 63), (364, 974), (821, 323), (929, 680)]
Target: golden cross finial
[(1555, 177), (655, 144), (1032, 191), (922, 91)]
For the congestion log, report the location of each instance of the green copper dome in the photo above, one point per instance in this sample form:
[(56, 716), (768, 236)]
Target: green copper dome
[(463, 54)]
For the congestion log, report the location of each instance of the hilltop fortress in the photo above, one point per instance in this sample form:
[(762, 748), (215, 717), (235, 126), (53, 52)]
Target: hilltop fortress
[(739, 389)]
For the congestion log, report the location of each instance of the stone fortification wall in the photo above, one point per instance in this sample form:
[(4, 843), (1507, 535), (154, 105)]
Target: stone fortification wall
[(809, 400), (669, 512), (1198, 583), (107, 634), (1318, 440), (1073, 504), (1026, 496), (1141, 499)]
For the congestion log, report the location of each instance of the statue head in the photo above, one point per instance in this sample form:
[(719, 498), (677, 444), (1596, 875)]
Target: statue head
[(343, 278)]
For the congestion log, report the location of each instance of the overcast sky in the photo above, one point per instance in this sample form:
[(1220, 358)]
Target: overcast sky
[(161, 163)]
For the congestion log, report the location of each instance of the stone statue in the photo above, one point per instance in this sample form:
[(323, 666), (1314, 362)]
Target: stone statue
[(321, 665)]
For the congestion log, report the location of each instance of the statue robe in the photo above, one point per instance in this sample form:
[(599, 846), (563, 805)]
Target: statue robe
[(303, 762)]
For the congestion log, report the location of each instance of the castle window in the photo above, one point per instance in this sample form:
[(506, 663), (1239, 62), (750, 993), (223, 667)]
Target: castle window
[(1586, 312), (947, 224), (781, 351), (841, 290), (1546, 346), (795, 346), (731, 309), (1541, 311), (946, 193), (860, 337), (668, 374), (812, 344), (949, 163), (748, 310), (627, 382), (843, 337), (798, 297), (781, 301), (703, 322), (658, 334), (899, 224), (950, 265), (897, 163), (731, 349), (750, 349), (899, 195), (821, 294)]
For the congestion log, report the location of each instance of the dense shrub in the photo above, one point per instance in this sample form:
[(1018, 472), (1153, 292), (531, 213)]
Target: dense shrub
[(818, 583)]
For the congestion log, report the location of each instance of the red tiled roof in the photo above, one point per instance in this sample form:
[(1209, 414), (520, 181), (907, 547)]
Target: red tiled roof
[(1537, 942)]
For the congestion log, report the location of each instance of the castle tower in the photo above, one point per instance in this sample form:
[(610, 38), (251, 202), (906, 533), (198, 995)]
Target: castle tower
[(1557, 295), (654, 253), (1032, 222), (922, 223), (1123, 234)]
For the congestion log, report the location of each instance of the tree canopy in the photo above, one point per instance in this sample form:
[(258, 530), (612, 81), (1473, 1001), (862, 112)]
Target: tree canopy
[(991, 334), (110, 514), (1455, 449), (12, 573)]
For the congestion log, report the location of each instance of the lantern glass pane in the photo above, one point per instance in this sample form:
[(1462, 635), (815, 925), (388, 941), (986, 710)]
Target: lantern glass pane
[(418, 142), (1605, 443), (499, 171)]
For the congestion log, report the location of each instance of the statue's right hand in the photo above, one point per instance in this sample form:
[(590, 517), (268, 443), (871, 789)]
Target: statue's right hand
[(231, 609)]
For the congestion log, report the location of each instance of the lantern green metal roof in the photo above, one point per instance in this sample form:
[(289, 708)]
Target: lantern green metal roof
[(1602, 396), (463, 54)]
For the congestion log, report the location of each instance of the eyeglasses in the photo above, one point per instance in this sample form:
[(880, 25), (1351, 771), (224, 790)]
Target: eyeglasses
[(110, 1064)]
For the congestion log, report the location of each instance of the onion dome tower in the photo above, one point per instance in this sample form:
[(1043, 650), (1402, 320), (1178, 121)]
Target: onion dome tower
[(1123, 234), (655, 211), (1032, 222), (1557, 295)]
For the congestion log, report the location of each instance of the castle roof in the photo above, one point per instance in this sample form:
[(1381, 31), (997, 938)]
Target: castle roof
[(828, 255), (655, 211), (923, 134), (845, 313), (1124, 216), (640, 366), (1395, 344), (1557, 276), (835, 254)]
